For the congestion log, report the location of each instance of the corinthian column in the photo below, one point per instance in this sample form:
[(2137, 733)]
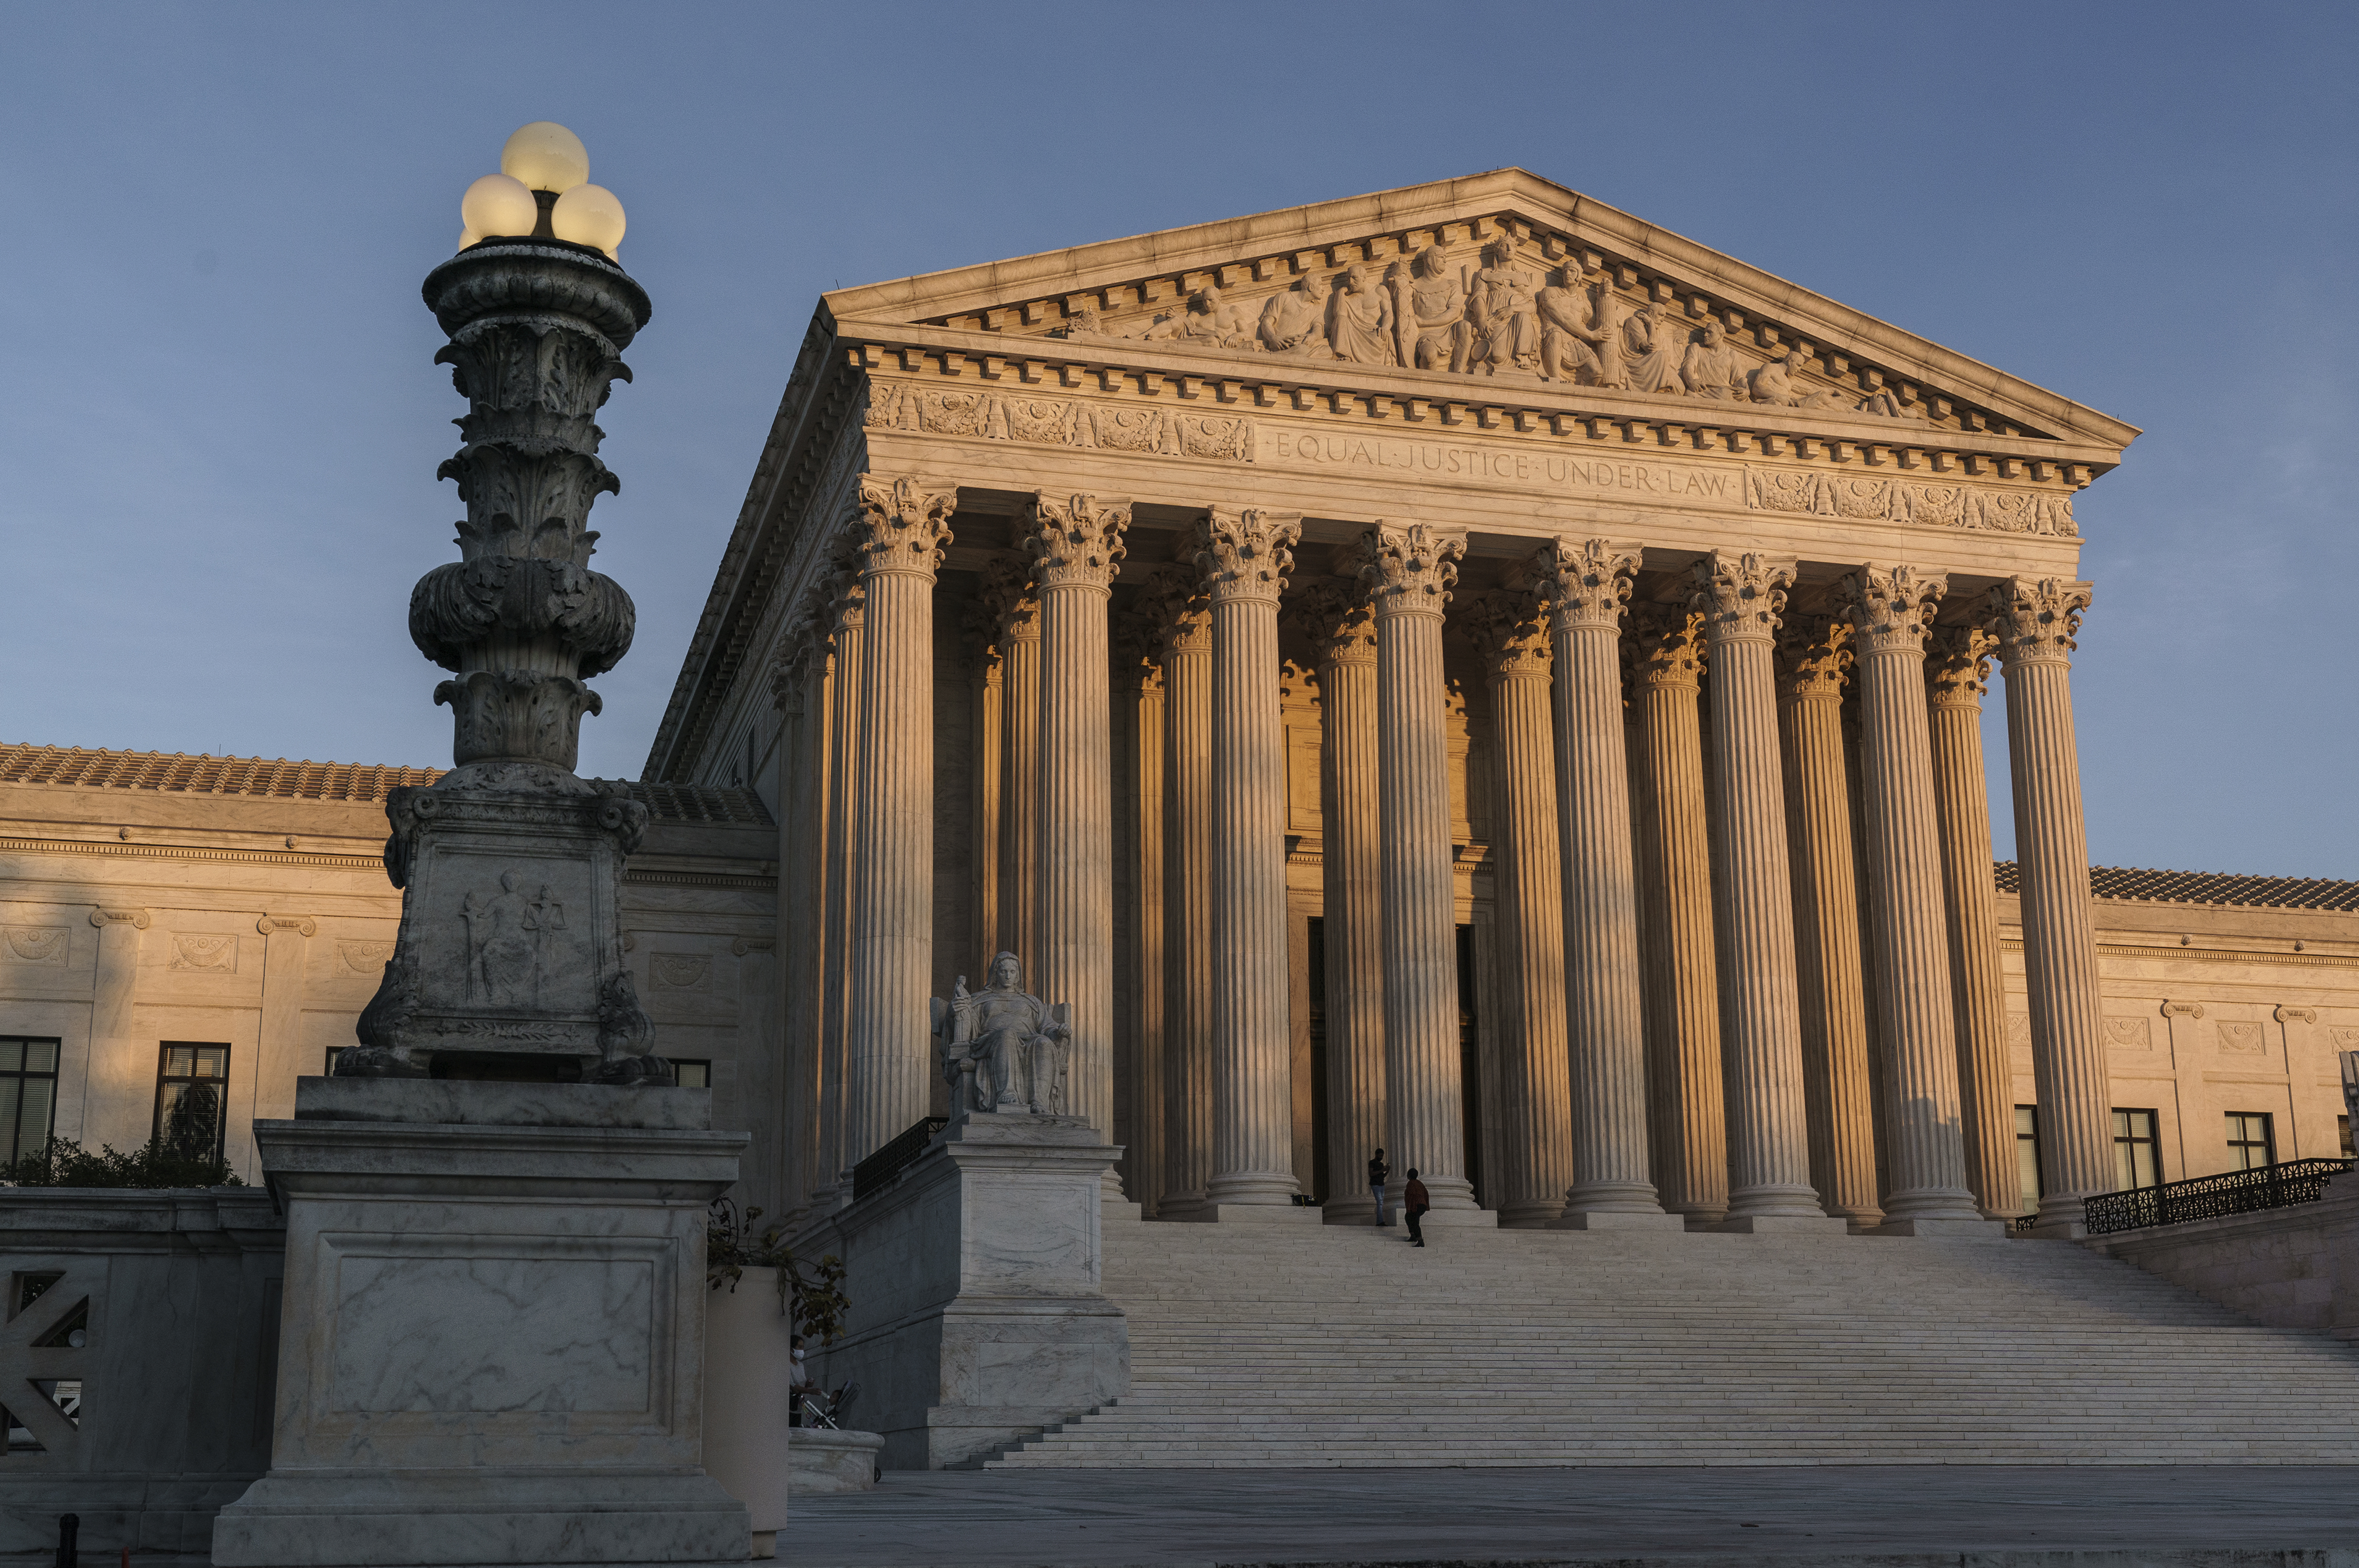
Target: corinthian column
[(1957, 665), (900, 532), (1244, 560), (1890, 609), (1535, 1076), (1741, 597), (1076, 547), (1586, 583), (1174, 597), (1009, 597), (847, 606), (1139, 684), (1673, 847), (1813, 653), (2036, 621), (1244, 557), (1408, 572), (1344, 645)]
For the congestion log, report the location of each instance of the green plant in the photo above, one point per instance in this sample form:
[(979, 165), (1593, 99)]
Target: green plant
[(811, 1293), (63, 1162)]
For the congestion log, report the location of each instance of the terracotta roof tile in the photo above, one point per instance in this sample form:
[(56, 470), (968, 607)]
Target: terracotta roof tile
[(2205, 887)]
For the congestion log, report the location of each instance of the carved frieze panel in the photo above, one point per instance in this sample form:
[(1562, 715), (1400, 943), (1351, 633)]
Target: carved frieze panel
[(2240, 1038), (33, 945), (367, 958), (2129, 1034), (680, 972), (205, 953)]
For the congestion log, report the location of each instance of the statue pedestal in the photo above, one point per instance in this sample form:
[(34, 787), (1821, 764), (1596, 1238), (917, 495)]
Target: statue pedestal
[(492, 1346), (976, 1316)]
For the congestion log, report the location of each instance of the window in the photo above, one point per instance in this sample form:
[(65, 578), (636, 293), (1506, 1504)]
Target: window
[(2252, 1142), (2137, 1153), (2026, 1154), (692, 1074), (192, 1099), (28, 1094)]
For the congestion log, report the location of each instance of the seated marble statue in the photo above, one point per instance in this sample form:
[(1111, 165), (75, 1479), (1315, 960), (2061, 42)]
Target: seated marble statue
[(1002, 1048)]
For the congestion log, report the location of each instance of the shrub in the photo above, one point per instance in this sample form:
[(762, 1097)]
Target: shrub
[(62, 1162)]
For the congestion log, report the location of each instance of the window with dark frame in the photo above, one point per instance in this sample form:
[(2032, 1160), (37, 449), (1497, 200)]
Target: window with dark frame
[(192, 1098), (2137, 1153), (28, 1094), (2252, 1140), (691, 1074), (2026, 1154)]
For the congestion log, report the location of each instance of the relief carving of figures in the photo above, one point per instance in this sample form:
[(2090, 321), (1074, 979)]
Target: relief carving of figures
[(1503, 331), (1572, 340), (1295, 320), (1359, 317), (507, 937), (1208, 321), (1436, 296), (1003, 1049), (1650, 362), (1775, 384), (1711, 367)]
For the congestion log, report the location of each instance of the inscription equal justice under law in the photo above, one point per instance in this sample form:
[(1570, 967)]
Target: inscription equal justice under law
[(1685, 483)]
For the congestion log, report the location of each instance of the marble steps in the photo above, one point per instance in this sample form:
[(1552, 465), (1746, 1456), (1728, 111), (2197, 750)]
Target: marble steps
[(1340, 1346)]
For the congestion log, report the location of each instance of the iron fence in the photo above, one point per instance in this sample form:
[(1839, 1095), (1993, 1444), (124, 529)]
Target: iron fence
[(2209, 1197), (875, 1172)]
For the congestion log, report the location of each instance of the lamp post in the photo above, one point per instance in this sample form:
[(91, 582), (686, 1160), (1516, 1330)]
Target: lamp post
[(509, 959)]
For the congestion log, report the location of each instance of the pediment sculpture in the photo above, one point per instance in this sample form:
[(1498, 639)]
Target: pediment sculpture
[(1001, 1049)]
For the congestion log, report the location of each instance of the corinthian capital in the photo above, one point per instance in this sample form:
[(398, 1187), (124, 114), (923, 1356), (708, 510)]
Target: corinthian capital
[(1740, 596), (1509, 631), (2036, 619), (1584, 582), (1245, 553), (903, 523), (1409, 568), (1076, 541), (1813, 656), (1171, 601), (1008, 599), (845, 606), (1335, 616), (1665, 647), (1892, 607), (1957, 666)]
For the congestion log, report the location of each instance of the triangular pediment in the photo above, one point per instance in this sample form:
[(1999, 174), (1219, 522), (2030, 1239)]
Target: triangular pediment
[(1488, 282)]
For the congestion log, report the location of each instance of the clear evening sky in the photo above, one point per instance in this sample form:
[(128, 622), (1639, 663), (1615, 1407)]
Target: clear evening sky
[(219, 425)]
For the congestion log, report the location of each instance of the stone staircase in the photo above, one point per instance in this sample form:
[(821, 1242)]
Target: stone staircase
[(1328, 1347)]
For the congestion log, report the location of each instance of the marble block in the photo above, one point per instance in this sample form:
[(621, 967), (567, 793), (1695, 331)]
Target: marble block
[(1616, 1219), (1252, 1214), (1780, 1224), (821, 1460), (976, 1313), (492, 1342), (1946, 1230)]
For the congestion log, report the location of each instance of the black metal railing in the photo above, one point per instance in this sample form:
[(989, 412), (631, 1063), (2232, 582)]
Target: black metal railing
[(877, 1172), (2209, 1197)]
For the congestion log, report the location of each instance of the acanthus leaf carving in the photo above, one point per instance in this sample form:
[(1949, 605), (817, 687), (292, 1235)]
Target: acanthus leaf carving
[(1410, 568), (2036, 619), (1891, 608), (1740, 594), (1077, 541), (1584, 582), (1814, 658), (1957, 665), (1666, 645), (1246, 552), (1509, 631), (1337, 619), (903, 523)]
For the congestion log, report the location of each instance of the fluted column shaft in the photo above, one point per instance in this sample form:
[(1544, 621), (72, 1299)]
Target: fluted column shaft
[(803, 872), (835, 954), (1673, 849), (1586, 583), (1011, 597), (902, 527), (1814, 653), (1535, 1072), (1343, 641), (1188, 925), (1741, 598), (2036, 622), (1409, 571), (1890, 610), (1956, 669), (1244, 557), (1143, 692), (1077, 545)]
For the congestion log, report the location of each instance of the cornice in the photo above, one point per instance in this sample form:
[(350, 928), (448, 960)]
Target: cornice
[(2211, 954)]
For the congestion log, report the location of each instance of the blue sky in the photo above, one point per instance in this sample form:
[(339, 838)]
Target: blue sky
[(220, 424)]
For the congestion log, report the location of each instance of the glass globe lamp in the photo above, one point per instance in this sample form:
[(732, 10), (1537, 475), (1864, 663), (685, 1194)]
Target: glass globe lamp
[(499, 204), (546, 157), (589, 214)]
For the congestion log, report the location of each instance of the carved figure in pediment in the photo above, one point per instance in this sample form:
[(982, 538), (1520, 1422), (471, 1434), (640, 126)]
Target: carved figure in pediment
[(1650, 363), (1002, 1048), (1502, 327), (1570, 336), (1710, 368), (1360, 319), (1083, 324), (1437, 294), (1776, 383), (1208, 320), (1885, 403), (1295, 320)]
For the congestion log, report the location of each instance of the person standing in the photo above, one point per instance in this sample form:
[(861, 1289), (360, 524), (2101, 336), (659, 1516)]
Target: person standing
[(1378, 1171), (1415, 1201)]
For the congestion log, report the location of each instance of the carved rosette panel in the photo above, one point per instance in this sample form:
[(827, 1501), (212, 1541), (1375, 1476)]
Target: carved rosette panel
[(33, 945), (1410, 568), (903, 523), (1666, 645), (1245, 553), (1077, 541), (1957, 666), (1814, 654), (1509, 632), (1339, 622), (1741, 596), (1891, 607), (2037, 619), (1584, 582)]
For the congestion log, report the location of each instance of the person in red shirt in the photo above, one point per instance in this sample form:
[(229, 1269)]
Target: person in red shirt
[(1415, 1201)]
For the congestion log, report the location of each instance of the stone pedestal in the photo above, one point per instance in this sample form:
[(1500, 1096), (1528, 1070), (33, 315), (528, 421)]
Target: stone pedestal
[(492, 1338), (976, 1314)]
